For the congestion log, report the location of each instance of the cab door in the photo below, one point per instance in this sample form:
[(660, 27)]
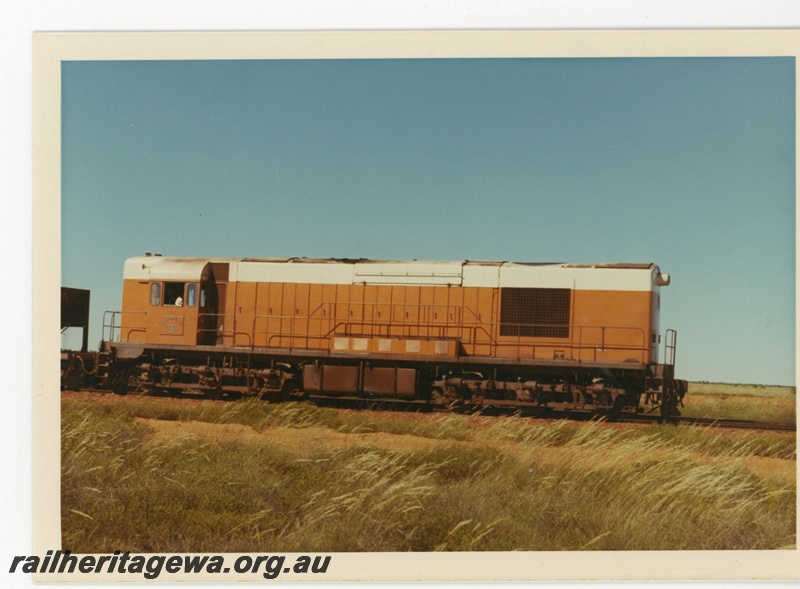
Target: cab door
[(208, 317), (211, 328)]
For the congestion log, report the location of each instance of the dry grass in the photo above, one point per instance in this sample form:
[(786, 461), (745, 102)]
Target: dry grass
[(745, 390), (164, 475), (764, 403)]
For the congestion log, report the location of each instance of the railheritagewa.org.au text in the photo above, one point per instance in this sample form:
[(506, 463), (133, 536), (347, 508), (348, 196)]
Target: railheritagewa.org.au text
[(152, 567)]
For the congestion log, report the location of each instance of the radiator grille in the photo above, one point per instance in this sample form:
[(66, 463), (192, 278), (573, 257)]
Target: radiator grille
[(535, 312)]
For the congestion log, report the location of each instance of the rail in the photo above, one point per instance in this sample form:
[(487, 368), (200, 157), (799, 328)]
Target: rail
[(111, 331), (718, 422), (113, 328), (670, 344), (212, 335), (431, 322), (475, 337)]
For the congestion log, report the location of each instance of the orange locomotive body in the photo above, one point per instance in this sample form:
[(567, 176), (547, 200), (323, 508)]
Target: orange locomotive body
[(549, 335)]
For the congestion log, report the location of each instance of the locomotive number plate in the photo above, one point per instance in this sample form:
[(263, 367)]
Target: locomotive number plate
[(171, 326)]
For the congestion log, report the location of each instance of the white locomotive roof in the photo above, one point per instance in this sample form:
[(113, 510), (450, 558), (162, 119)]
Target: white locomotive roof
[(176, 269), (603, 276)]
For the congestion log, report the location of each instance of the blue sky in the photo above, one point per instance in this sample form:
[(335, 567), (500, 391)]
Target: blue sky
[(685, 162)]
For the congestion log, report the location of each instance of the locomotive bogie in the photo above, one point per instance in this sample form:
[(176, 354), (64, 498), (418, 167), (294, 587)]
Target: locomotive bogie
[(225, 379)]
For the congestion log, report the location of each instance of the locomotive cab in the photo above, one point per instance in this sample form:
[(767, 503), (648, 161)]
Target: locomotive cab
[(170, 301), (174, 312)]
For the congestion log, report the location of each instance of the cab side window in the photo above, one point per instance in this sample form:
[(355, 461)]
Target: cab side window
[(191, 295), (173, 293), (155, 294)]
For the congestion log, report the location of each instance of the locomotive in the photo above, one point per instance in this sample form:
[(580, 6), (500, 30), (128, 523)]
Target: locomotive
[(554, 336)]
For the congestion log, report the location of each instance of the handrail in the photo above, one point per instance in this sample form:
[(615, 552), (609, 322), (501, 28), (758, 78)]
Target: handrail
[(114, 330), (670, 345), (216, 329), (597, 338), (460, 323)]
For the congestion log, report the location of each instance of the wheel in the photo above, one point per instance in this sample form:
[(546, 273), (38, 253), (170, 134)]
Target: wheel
[(437, 396)]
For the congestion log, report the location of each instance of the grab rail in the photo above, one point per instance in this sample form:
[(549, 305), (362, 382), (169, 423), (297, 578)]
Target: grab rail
[(113, 330), (475, 337), (421, 321), (670, 345)]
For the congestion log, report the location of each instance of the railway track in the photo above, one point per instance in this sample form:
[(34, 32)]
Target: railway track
[(500, 408), (715, 422)]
